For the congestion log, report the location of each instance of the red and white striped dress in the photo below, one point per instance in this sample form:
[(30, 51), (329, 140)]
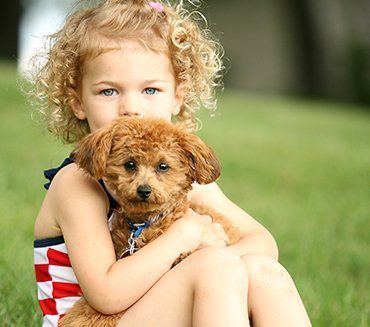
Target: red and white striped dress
[(57, 286)]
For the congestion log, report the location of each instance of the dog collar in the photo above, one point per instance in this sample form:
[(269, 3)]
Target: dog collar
[(136, 230)]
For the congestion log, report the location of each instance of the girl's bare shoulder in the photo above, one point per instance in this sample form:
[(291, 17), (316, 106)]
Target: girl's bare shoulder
[(203, 194), (71, 176), (74, 186), (71, 192)]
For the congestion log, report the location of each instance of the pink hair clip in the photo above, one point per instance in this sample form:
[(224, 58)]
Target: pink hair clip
[(156, 5)]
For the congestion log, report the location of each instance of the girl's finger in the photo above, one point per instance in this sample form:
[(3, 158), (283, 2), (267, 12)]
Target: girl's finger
[(208, 218), (218, 227)]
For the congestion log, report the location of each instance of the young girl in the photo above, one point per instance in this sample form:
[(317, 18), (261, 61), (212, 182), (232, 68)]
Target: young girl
[(149, 59)]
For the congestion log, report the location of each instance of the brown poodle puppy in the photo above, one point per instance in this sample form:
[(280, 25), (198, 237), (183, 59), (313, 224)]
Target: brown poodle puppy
[(149, 165)]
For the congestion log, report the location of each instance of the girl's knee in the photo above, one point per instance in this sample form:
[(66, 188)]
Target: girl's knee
[(264, 271), (214, 257), (218, 262)]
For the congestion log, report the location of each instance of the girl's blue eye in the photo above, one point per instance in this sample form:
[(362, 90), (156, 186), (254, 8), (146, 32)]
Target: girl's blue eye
[(150, 90), (108, 92)]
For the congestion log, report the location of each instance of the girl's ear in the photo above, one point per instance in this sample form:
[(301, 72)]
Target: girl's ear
[(92, 152), (204, 165), (76, 105), (179, 100)]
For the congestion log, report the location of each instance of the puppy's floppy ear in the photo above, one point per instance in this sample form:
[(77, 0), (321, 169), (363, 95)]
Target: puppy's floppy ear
[(203, 161), (92, 151)]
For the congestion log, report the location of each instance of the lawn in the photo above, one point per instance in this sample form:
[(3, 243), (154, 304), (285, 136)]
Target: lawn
[(301, 167)]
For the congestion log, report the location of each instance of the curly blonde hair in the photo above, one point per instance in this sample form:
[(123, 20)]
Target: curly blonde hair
[(91, 30)]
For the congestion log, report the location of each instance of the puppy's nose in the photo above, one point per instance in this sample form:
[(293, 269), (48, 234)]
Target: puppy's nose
[(144, 191)]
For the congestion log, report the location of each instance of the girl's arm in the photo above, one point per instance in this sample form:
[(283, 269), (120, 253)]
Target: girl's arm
[(80, 208), (256, 238)]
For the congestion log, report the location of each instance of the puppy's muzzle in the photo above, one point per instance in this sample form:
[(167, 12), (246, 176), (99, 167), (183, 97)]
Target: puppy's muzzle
[(144, 191)]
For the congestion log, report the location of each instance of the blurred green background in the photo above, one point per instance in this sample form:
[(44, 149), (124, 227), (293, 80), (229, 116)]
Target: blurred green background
[(292, 132)]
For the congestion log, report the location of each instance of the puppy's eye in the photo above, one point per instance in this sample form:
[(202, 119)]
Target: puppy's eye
[(163, 167), (130, 165)]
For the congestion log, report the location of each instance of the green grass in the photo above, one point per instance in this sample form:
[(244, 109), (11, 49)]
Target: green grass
[(302, 168)]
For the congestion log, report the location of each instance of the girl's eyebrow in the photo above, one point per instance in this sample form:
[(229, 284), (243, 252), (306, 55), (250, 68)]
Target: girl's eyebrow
[(149, 81), (105, 82)]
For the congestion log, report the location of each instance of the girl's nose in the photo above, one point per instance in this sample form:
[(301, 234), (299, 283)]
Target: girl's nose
[(129, 107)]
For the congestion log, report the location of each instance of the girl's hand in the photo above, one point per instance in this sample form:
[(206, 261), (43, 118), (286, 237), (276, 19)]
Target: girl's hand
[(199, 231)]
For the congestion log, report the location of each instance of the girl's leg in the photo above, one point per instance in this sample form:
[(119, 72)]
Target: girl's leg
[(197, 292), (273, 297)]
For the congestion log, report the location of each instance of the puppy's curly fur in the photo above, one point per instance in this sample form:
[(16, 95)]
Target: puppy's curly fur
[(158, 157)]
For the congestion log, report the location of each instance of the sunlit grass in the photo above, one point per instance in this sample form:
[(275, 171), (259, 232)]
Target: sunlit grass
[(302, 168)]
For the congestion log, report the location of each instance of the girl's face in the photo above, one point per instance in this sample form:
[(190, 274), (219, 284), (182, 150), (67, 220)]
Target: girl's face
[(130, 81)]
